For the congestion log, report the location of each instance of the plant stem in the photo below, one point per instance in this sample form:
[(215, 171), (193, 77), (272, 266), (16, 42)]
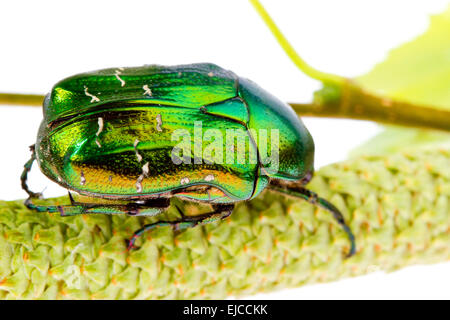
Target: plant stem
[(355, 103), (21, 99), (290, 51)]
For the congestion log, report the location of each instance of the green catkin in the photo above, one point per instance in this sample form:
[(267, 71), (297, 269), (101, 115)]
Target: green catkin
[(398, 206)]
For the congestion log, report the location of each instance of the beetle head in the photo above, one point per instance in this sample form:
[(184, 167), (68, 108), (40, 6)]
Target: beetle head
[(294, 150)]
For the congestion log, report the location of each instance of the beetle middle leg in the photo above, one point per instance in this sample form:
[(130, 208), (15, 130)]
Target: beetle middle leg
[(295, 189), (220, 212)]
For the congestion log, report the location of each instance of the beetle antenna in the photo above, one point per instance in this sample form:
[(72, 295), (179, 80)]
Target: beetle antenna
[(313, 198)]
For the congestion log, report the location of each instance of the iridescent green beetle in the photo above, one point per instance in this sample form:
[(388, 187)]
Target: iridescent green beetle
[(108, 137)]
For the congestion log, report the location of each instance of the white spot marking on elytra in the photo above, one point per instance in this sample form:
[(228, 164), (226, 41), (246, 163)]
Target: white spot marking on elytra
[(117, 74), (110, 178), (100, 129), (139, 183), (147, 90), (158, 122), (82, 178), (184, 180), (209, 177), (145, 169), (93, 98), (138, 156), (210, 74), (100, 126)]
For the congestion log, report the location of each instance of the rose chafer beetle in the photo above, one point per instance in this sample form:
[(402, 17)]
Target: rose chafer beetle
[(107, 137)]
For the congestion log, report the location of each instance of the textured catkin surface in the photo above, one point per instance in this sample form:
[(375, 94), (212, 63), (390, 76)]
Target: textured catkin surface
[(398, 207)]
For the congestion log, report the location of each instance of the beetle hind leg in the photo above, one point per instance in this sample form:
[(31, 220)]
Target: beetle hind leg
[(220, 212), (132, 209)]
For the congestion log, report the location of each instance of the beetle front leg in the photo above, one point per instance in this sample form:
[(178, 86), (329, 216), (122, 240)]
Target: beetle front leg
[(310, 196), (33, 195), (220, 212), (24, 176)]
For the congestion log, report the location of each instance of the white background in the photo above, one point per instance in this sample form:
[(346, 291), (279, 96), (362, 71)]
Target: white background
[(44, 41)]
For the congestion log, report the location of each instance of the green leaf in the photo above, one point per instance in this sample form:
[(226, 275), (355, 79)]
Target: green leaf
[(417, 72)]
